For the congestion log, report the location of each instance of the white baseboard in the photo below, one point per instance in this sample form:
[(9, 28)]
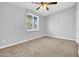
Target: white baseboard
[(77, 41), (9, 45), (62, 38)]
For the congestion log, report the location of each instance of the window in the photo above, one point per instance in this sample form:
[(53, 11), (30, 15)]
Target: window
[(32, 22)]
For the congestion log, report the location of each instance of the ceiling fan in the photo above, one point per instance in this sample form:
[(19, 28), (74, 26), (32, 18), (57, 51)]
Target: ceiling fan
[(44, 4)]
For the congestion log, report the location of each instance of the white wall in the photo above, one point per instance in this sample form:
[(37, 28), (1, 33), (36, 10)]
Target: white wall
[(62, 24), (12, 25), (77, 14)]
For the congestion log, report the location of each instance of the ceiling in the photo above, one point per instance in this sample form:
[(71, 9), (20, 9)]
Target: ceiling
[(53, 8)]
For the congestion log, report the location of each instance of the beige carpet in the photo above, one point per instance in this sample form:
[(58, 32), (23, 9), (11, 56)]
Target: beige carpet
[(42, 47)]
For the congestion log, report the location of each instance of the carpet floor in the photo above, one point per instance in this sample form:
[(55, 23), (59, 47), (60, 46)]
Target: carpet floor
[(42, 47)]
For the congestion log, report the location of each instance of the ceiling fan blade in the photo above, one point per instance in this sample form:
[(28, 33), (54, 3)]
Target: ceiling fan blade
[(36, 2), (50, 3), (47, 8), (38, 8)]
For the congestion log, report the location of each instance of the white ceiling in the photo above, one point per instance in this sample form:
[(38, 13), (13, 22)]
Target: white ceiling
[(53, 8)]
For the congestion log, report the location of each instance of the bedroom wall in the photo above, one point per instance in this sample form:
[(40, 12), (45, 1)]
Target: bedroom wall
[(62, 24), (77, 14), (12, 25)]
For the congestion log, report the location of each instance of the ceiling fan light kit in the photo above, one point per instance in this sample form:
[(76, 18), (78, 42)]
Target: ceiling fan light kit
[(44, 5)]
